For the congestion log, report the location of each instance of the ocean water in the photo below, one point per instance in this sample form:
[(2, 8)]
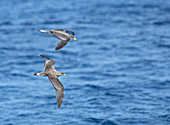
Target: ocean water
[(118, 72)]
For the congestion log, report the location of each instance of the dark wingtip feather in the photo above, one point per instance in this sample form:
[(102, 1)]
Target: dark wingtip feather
[(60, 102), (45, 57), (57, 48)]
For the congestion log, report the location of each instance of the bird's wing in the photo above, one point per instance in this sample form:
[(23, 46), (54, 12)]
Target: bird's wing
[(59, 90), (49, 63), (66, 31), (60, 34), (61, 43)]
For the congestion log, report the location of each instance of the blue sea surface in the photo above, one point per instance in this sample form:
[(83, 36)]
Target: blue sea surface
[(118, 72)]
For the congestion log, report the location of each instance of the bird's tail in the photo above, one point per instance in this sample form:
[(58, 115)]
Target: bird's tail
[(39, 74), (43, 31)]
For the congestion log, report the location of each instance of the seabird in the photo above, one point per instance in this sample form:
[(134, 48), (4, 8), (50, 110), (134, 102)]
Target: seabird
[(63, 35), (53, 75)]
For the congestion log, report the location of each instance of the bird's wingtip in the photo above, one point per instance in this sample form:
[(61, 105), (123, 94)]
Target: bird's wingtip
[(43, 56), (59, 103)]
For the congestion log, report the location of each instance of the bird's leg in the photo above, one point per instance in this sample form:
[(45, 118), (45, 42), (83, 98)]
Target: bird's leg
[(40, 74)]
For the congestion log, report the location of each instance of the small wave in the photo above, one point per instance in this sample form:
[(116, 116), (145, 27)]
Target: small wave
[(160, 23), (164, 46), (8, 48), (50, 97), (6, 23), (101, 121), (68, 53), (165, 117), (105, 48), (95, 120), (150, 6), (17, 74), (27, 114), (87, 78), (89, 43), (27, 24), (108, 122), (53, 22), (93, 86)]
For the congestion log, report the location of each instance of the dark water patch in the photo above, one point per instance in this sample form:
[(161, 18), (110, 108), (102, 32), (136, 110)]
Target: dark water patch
[(93, 102), (166, 9), (19, 75), (6, 23), (74, 87), (8, 48), (10, 124), (114, 94), (134, 12), (134, 121), (31, 57), (22, 63), (156, 84), (68, 53), (90, 22), (138, 110), (94, 37), (49, 97), (93, 120), (105, 48), (24, 115), (27, 24), (150, 6), (35, 97), (163, 45), (53, 22), (89, 43), (165, 117), (118, 21), (94, 87), (112, 75), (88, 78), (132, 48), (10, 87), (86, 65), (46, 104), (86, 27), (118, 5), (161, 23)]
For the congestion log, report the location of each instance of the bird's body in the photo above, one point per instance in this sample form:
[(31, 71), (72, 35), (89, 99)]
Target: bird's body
[(63, 35), (53, 75)]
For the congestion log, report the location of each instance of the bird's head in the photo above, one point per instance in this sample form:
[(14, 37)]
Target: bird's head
[(73, 37), (62, 74)]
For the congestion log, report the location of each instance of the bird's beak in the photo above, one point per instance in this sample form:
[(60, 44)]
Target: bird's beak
[(64, 74), (75, 39)]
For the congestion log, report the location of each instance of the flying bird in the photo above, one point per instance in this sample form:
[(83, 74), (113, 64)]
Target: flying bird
[(53, 75), (63, 35)]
